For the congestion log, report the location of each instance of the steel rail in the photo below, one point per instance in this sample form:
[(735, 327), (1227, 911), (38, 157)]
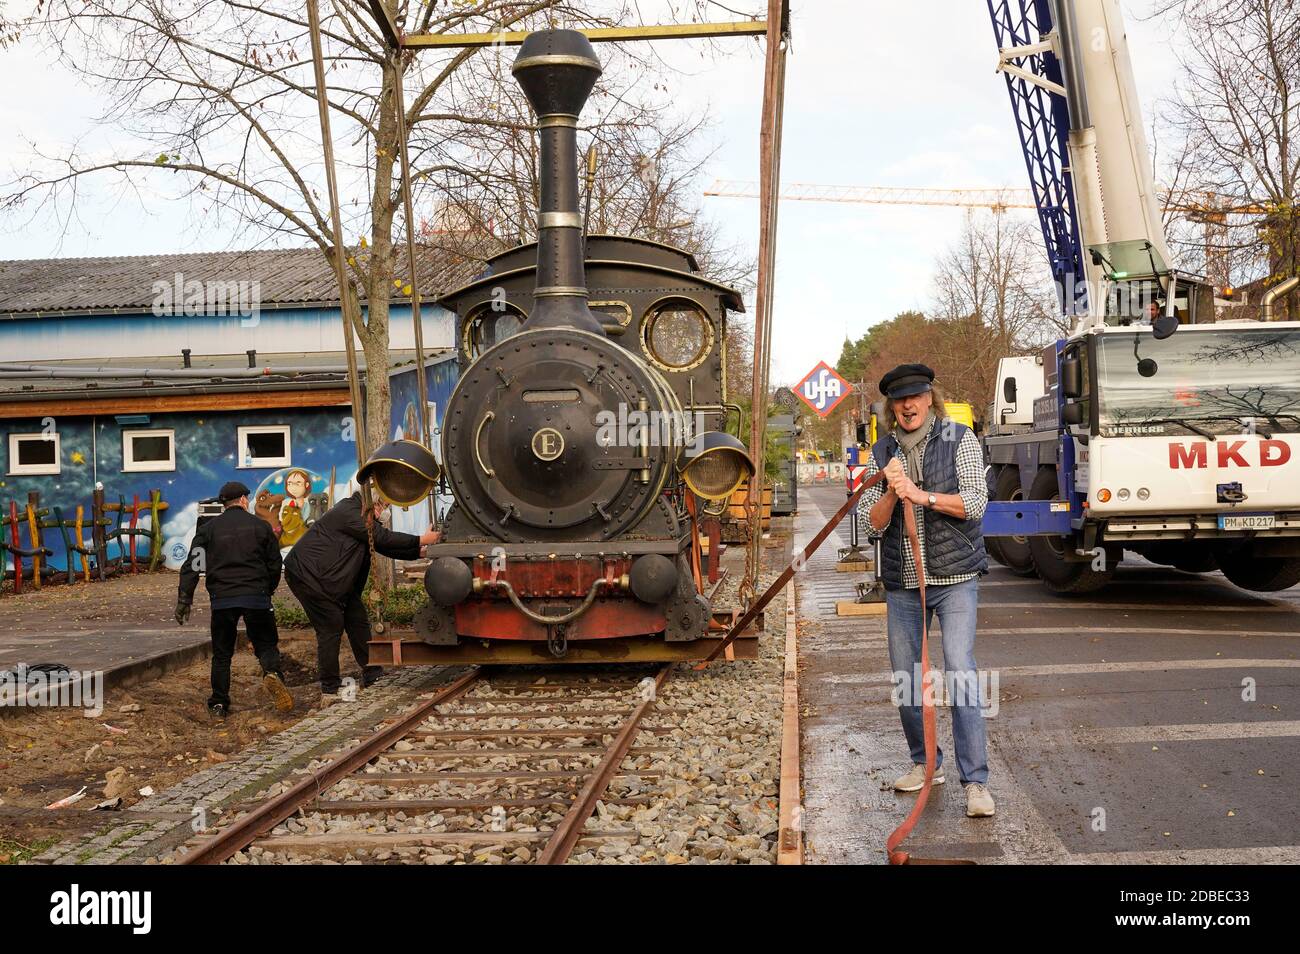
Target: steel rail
[(569, 831), (270, 813)]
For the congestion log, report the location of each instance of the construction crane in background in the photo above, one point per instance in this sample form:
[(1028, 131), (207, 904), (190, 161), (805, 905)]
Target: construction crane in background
[(995, 199), (1211, 212)]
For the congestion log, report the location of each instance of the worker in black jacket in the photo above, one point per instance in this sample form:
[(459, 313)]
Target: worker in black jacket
[(327, 570), (240, 556)]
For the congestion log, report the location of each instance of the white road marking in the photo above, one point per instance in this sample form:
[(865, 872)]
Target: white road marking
[(1192, 732), (1145, 607), (1123, 631), (1280, 855), (1069, 669)]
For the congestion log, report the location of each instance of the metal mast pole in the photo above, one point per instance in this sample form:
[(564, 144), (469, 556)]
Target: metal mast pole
[(770, 179), (340, 274)]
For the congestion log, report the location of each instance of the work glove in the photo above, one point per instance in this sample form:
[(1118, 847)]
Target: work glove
[(182, 612)]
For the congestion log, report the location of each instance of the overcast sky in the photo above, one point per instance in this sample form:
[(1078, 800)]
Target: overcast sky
[(878, 93)]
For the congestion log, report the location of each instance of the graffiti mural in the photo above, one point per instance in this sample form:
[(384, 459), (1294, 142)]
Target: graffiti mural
[(291, 500)]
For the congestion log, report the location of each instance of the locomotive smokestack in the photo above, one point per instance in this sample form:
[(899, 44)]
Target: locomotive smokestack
[(557, 70)]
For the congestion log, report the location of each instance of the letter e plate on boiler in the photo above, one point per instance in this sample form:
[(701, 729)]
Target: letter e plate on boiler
[(1247, 521), (548, 444)]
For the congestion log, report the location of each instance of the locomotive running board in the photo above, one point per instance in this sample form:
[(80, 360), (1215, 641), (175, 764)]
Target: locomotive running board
[(514, 652)]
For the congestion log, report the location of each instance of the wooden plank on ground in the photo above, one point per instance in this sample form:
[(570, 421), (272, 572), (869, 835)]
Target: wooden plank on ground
[(790, 840)]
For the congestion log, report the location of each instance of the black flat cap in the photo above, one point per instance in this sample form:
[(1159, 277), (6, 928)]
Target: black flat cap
[(906, 380), (232, 491)]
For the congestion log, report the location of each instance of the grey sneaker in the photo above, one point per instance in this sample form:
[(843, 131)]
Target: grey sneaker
[(979, 803), (914, 780)]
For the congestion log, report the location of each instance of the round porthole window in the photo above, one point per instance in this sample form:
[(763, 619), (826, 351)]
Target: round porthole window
[(677, 335), (488, 327)]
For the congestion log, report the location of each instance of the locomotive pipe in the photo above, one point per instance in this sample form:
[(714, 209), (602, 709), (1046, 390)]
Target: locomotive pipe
[(557, 70)]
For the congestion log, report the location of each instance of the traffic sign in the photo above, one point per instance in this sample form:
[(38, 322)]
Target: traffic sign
[(854, 475), (822, 389)]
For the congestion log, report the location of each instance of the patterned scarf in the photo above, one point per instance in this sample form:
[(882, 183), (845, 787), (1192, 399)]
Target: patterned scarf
[(912, 442)]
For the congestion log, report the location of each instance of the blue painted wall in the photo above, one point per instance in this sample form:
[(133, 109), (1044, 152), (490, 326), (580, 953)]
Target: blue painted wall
[(206, 446)]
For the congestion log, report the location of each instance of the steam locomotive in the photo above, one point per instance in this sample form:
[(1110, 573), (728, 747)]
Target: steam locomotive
[(585, 435)]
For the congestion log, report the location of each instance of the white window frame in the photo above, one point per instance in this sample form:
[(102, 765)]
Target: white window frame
[(131, 466), (29, 470), (262, 463)]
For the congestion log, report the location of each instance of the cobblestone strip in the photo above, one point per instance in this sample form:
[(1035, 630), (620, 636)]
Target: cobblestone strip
[(198, 801)]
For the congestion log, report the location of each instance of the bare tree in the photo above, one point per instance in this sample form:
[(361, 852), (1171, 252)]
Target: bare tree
[(994, 298), (1238, 95), (218, 95)]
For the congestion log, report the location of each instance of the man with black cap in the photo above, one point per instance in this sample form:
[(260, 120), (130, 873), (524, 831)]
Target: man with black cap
[(935, 465), (327, 570), (240, 557)]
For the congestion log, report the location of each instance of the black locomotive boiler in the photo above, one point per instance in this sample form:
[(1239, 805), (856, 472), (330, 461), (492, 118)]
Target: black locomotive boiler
[(585, 432)]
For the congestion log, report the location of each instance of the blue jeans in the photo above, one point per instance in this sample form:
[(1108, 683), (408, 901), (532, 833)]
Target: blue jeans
[(956, 606)]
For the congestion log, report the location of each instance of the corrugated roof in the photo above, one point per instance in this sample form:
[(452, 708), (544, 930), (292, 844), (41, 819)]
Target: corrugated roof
[(127, 283)]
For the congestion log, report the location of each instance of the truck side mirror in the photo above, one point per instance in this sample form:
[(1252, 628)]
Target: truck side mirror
[(1072, 414), (1009, 390), (1071, 378)]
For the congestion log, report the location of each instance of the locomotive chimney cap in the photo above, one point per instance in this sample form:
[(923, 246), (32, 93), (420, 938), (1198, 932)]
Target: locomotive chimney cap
[(558, 70)]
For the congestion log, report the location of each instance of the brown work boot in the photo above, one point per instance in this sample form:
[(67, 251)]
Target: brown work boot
[(278, 691)]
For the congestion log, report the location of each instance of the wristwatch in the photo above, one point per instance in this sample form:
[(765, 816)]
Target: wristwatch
[(931, 501)]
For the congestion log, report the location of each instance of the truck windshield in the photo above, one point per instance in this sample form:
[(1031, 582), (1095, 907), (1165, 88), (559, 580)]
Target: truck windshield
[(1218, 382)]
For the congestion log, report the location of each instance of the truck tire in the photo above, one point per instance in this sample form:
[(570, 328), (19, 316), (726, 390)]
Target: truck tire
[(1261, 574), (1011, 552), (1058, 574)]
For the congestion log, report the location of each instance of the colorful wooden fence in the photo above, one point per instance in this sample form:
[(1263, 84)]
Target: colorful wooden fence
[(110, 523)]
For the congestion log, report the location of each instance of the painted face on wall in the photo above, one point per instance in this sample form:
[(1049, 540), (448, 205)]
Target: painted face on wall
[(297, 484)]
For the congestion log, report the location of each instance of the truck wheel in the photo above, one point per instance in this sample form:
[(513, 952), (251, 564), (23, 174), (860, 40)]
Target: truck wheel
[(1261, 574), (1011, 552), (1058, 575)]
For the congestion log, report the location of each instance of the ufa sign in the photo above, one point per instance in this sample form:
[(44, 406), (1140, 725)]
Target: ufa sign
[(822, 389)]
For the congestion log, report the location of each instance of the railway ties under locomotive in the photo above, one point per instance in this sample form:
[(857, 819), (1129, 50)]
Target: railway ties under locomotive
[(509, 765)]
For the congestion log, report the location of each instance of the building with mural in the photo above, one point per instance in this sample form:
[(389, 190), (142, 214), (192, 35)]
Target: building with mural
[(177, 373)]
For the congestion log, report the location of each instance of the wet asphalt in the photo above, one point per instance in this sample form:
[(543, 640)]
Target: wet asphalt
[(1157, 721)]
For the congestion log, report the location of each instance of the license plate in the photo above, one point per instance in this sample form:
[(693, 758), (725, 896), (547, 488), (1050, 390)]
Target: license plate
[(1247, 521)]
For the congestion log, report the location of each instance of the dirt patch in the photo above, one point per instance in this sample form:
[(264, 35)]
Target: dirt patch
[(47, 754)]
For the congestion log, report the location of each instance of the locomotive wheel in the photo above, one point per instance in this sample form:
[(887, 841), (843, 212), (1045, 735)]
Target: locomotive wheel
[(1011, 552), (1058, 574)]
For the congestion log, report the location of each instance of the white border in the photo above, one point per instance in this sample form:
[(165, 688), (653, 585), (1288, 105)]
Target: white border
[(131, 466), (241, 447), (29, 470)]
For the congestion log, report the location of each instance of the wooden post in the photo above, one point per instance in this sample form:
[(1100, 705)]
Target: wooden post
[(135, 519), (85, 560), (97, 521), (17, 543), (156, 507), (34, 531)]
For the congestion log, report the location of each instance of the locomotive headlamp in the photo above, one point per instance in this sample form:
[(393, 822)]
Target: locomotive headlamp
[(715, 464), (404, 472)]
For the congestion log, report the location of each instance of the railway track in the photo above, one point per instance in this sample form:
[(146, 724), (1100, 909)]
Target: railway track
[(503, 760)]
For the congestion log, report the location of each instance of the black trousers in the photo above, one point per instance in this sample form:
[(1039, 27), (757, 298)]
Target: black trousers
[(262, 633), (331, 618)]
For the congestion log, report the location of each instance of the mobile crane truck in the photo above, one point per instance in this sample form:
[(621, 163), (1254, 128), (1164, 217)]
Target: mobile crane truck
[(1153, 427)]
